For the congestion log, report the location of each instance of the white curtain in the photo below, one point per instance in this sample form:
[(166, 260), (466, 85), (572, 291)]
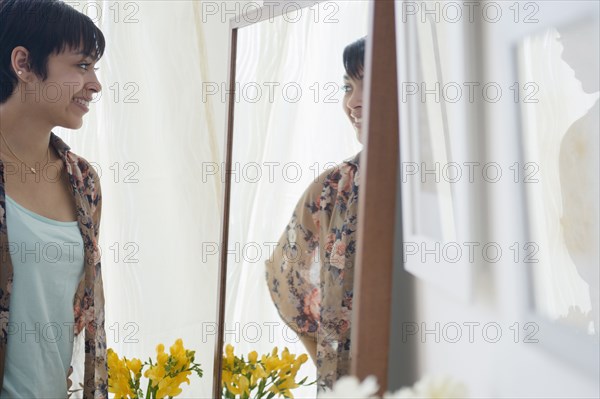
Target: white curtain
[(155, 135), (149, 136)]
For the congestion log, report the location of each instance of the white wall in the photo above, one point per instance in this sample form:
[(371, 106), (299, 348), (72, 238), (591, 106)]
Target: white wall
[(504, 368)]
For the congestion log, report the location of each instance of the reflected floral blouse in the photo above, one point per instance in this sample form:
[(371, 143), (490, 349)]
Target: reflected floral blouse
[(311, 272), (89, 347)]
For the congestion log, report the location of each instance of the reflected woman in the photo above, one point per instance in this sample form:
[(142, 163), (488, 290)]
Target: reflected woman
[(51, 297), (311, 273)]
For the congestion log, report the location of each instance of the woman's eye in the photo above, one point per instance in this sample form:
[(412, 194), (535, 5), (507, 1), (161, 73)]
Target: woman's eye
[(86, 66), (346, 88)]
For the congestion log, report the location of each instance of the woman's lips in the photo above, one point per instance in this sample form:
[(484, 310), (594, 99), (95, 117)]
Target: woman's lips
[(82, 103)]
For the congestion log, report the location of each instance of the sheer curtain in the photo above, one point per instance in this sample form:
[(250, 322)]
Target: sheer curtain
[(156, 136), (150, 135)]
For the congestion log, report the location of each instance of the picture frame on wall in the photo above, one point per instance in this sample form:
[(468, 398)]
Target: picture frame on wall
[(558, 116), (545, 213), (438, 161)]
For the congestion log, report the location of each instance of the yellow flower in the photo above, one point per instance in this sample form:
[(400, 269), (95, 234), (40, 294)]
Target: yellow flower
[(252, 357), (119, 377), (302, 358), (166, 375), (283, 387), (239, 385), (272, 363), (257, 374), (170, 385), (180, 356), (157, 372), (135, 366), (229, 356), (226, 376), (171, 370), (275, 371)]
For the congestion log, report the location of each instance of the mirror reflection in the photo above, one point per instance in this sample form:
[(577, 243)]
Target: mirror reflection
[(292, 232)]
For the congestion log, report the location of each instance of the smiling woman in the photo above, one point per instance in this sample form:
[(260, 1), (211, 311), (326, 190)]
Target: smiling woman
[(322, 232), (51, 295)]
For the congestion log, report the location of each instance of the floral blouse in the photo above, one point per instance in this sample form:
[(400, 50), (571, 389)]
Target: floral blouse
[(311, 272), (88, 303)]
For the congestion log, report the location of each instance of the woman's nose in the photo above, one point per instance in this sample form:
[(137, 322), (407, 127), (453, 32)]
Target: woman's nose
[(355, 99), (94, 83), (92, 88), (95, 87)]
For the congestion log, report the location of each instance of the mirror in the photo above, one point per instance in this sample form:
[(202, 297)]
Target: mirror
[(289, 130), (560, 128)]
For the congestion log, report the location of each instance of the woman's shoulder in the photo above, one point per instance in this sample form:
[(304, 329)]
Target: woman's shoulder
[(328, 182), (339, 171), (64, 151), (85, 175)]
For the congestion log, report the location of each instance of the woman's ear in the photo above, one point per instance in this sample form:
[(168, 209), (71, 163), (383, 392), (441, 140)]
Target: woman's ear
[(20, 62)]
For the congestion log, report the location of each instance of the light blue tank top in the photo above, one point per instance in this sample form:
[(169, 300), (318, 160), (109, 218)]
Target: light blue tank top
[(47, 258)]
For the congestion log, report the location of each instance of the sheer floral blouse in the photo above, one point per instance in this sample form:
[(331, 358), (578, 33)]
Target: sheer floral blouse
[(311, 272), (89, 377)]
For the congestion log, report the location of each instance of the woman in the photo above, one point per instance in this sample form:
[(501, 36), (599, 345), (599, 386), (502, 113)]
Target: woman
[(51, 297), (322, 230)]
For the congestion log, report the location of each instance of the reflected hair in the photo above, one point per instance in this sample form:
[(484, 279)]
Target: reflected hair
[(43, 27), (354, 59)]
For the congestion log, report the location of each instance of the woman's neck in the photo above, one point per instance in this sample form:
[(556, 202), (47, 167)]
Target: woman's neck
[(24, 135)]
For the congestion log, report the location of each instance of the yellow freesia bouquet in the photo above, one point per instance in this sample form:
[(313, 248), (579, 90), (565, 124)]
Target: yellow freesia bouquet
[(164, 377), (269, 376)]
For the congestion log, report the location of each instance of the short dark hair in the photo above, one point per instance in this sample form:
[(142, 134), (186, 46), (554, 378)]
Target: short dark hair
[(43, 27), (354, 59)]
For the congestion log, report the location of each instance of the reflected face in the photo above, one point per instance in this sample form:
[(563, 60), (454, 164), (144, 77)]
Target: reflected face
[(353, 93), (68, 89)]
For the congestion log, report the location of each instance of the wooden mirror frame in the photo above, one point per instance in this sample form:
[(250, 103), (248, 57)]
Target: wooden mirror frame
[(377, 199)]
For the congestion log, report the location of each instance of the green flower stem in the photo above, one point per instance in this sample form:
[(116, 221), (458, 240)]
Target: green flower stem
[(148, 390)]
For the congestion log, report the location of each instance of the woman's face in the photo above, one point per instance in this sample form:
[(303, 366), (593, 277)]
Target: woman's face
[(64, 97), (353, 91)]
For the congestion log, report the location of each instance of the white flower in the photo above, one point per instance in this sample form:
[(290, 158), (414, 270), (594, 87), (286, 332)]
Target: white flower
[(443, 387), (402, 393), (429, 387), (351, 388)]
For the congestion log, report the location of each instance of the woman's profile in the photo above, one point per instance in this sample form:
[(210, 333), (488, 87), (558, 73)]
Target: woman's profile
[(310, 275)]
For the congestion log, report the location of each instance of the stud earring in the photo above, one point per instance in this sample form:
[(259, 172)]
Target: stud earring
[(20, 72)]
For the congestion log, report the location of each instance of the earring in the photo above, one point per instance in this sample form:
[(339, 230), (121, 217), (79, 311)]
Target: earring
[(20, 72)]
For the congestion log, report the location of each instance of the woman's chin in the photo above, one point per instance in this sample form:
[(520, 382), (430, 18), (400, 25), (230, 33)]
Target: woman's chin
[(73, 124)]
